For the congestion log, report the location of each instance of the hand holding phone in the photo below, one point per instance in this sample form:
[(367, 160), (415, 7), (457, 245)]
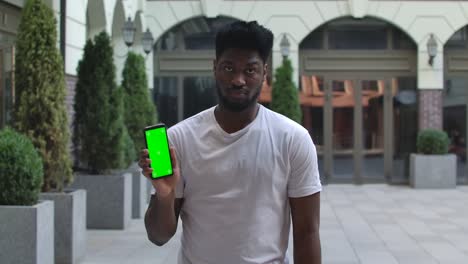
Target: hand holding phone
[(159, 161)]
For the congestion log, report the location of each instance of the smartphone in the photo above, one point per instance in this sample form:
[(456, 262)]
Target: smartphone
[(158, 147)]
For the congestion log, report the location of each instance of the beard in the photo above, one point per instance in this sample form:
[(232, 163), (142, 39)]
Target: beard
[(237, 106)]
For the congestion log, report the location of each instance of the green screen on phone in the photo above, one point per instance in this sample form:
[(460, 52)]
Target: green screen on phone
[(158, 147)]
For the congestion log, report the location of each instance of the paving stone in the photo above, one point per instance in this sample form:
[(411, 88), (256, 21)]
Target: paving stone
[(375, 224)]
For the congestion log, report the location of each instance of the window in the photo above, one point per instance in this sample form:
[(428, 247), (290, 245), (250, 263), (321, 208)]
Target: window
[(458, 40), (195, 34), (357, 37), (314, 40), (199, 94), (402, 41), (165, 98)]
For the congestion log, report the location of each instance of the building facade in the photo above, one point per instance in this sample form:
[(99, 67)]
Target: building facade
[(366, 80)]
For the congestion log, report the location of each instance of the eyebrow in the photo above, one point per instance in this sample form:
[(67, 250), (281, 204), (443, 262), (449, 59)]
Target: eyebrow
[(250, 63)]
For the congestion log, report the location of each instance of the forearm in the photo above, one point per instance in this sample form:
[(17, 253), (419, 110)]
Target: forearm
[(307, 249), (160, 219)]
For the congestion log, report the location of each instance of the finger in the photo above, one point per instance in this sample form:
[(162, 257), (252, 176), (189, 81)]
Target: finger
[(144, 153), (144, 163), (148, 172), (175, 163)]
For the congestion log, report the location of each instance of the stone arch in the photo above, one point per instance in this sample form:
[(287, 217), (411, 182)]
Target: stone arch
[(186, 21), (376, 17), (118, 20), (140, 28), (96, 18)]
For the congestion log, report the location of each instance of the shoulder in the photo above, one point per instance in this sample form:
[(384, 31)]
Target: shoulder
[(191, 124), (284, 125)]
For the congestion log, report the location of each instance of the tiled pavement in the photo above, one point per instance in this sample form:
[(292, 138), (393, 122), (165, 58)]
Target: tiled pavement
[(369, 224)]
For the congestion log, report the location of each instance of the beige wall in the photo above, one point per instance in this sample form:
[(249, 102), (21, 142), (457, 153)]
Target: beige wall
[(295, 18)]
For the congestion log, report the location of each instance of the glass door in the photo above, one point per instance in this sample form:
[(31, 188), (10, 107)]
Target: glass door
[(403, 125), (373, 132), (340, 131), (358, 140), (312, 101)]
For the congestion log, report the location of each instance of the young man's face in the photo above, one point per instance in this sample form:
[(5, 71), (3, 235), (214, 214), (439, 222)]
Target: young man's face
[(239, 75)]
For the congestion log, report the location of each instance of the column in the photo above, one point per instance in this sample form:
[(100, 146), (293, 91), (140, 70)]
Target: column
[(430, 87)]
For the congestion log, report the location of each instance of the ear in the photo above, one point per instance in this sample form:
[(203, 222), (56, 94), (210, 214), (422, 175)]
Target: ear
[(265, 70), (214, 66)]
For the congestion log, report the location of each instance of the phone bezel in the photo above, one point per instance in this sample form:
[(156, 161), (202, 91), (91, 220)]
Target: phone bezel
[(160, 125)]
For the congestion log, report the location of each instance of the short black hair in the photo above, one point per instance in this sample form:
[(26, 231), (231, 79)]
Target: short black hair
[(245, 35)]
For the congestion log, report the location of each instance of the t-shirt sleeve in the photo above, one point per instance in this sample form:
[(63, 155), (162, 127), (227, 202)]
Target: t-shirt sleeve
[(304, 178), (173, 142)]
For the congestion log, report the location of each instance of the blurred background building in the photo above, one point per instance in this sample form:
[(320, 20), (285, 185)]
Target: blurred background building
[(370, 73)]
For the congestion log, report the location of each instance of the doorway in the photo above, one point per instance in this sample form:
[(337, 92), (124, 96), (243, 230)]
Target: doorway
[(351, 121)]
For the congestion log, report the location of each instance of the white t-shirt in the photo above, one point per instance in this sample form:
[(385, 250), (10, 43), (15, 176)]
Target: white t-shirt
[(236, 186)]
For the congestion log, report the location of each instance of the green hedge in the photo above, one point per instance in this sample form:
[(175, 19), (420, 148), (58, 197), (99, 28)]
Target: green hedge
[(432, 141), (40, 111), (285, 94), (21, 169), (139, 108)]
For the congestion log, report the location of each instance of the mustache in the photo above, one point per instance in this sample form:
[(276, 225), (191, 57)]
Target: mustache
[(236, 87)]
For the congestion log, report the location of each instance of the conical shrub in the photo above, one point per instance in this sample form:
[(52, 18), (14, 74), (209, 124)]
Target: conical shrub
[(98, 125), (139, 109), (40, 111), (285, 94)]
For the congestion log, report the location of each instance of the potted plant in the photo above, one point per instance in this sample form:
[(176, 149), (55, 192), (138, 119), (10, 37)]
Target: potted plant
[(103, 148), (40, 113), (27, 225), (432, 166), (139, 113)]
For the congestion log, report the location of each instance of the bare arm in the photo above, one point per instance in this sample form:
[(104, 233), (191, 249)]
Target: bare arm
[(305, 212), (164, 209), (161, 218)]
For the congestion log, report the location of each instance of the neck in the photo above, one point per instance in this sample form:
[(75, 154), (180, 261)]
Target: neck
[(232, 122)]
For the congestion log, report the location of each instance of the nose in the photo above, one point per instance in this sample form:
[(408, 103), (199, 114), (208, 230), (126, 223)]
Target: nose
[(238, 79)]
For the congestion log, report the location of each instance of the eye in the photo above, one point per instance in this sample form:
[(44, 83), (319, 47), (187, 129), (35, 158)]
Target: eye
[(250, 71), (227, 68)]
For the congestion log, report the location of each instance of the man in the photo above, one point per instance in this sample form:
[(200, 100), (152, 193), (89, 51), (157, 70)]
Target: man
[(241, 171)]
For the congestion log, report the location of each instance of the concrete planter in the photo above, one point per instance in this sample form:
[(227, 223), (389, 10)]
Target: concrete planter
[(27, 233), (139, 192), (433, 171), (109, 199), (70, 225)]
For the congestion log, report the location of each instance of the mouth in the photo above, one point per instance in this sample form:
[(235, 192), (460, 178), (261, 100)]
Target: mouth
[(237, 93)]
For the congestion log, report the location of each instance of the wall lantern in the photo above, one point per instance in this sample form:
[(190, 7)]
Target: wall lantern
[(284, 46), (147, 41), (432, 49), (128, 31)]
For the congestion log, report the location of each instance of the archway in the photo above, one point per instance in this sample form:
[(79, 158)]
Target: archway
[(455, 98), (358, 87), (96, 18)]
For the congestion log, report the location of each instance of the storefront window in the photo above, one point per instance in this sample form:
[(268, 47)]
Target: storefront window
[(401, 41), (358, 37), (458, 40), (455, 104), (6, 78), (405, 125), (314, 40), (199, 94), (195, 34), (165, 98)]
